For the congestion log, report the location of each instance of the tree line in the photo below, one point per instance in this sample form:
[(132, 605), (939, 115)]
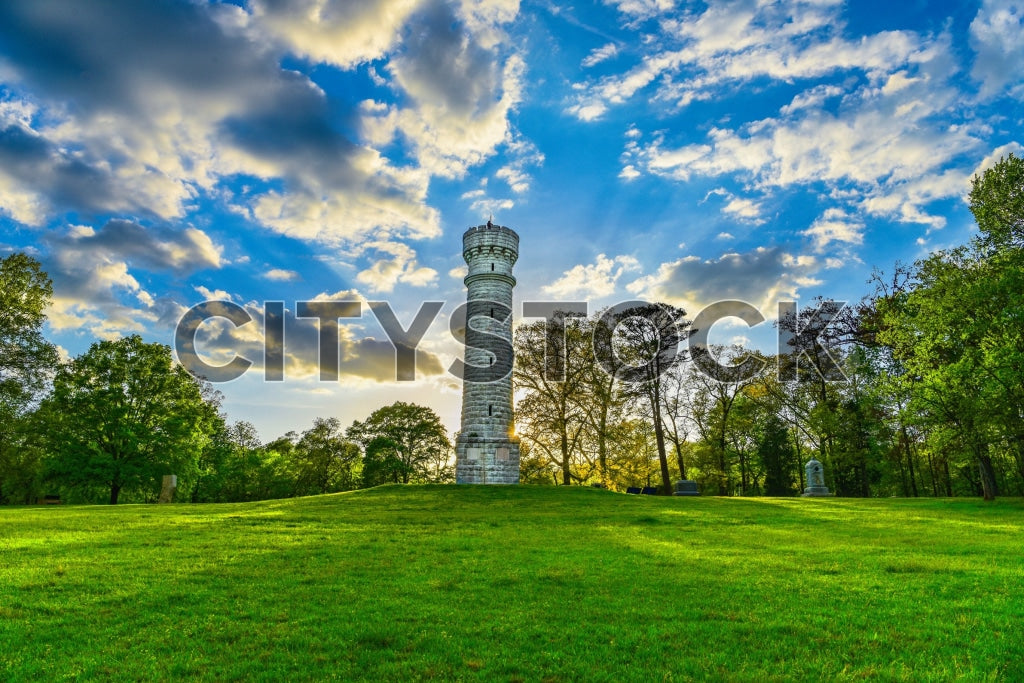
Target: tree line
[(107, 425), (916, 390)]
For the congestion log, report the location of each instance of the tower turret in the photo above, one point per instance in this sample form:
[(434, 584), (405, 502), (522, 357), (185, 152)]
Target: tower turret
[(486, 451)]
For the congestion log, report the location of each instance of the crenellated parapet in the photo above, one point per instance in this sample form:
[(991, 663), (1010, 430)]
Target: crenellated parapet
[(490, 250)]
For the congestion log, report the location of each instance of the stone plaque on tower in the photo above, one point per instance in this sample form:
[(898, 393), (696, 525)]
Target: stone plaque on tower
[(486, 451)]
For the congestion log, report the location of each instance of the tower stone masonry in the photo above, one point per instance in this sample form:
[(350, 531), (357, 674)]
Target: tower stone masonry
[(486, 451)]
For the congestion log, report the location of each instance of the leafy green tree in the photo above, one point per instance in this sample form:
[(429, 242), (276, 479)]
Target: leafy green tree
[(647, 339), (382, 463), (956, 328), (552, 363), (122, 415), (633, 454), (324, 460), (27, 362), (775, 452), (534, 469), (236, 467), (717, 392), (413, 435), (997, 203)]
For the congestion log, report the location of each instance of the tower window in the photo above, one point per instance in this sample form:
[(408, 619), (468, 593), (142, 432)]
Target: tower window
[(492, 267), (492, 312), (490, 410)]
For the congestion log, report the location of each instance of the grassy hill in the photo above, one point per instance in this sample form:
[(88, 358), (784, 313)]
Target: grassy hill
[(514, 583)]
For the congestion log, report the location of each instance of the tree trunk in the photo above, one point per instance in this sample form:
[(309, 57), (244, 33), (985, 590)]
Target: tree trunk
[(566, 479), (743, 473), (602, 450), (903, 473), (910, 463), (935, 475), (988, 477), (115, 490), (799, 465), (723, 466), (666, 478), (679, 460), (659, 435)]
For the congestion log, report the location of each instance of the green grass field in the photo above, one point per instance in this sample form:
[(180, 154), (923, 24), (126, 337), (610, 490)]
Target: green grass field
[(514, 583)]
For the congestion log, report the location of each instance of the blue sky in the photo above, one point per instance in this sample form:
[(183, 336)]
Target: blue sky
[(154, 155)]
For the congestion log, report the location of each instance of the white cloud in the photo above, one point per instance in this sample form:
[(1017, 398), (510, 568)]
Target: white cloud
[(762, 277), (835, 225), (996, 38), (697, 53), (282, 275), (338, 32), (812, 98), (108, 130), (629, 172), (642, 9), (401, 267), (887, 149), (489, 206), (593, 281), (214, 294), (744, 209), (96, 275), (600, 54), (460, 91)]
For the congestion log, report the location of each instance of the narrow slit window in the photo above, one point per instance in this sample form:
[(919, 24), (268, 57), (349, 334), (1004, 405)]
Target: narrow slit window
[(490, 410), (492, 267)]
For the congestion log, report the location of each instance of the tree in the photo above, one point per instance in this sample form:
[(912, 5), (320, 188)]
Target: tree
[(324, 460), (675, 414), (382, 463), (27, 362), (122, 415), (646, 338), (719, 385), (415, 435), (552, 363), (997, 203), (956, 329), (236, 467), (775, 452)]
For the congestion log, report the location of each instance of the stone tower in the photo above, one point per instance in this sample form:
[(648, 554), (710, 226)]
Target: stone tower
[(486, 452)]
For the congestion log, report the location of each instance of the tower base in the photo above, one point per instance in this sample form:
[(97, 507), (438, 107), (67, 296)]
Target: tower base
[(479, 461)]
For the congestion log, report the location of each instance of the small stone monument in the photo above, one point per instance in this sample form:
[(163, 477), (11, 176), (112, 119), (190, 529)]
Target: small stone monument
[(686, 487), (815, 479), (167, 489)]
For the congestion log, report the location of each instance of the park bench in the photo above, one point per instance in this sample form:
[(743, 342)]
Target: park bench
[(49, 500)]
